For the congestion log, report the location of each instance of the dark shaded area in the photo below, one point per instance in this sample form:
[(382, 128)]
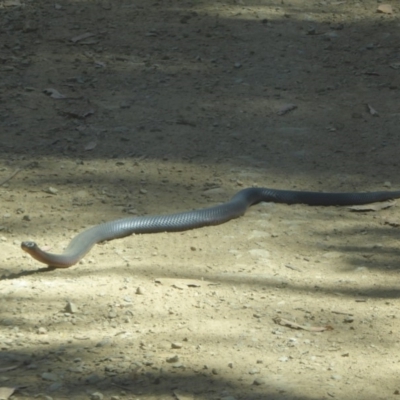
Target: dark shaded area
[(169, 101)]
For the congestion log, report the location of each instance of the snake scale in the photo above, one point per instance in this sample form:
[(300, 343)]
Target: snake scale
[(81, 244)]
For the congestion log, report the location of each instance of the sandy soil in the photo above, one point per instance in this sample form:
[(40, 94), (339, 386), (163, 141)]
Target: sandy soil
[(124, 108)]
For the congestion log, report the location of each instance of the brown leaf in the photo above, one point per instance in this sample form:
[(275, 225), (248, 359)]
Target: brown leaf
[(374, 207)]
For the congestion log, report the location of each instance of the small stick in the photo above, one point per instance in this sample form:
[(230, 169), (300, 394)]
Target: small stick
[(10, 177), (293, 268), (19, 169)]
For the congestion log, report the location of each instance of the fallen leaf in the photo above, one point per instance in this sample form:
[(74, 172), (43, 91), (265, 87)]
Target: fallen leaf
[(53, 93), (374, 207), (286, 108), (385, 9), (81, 37), (90, 146), (372, 111)]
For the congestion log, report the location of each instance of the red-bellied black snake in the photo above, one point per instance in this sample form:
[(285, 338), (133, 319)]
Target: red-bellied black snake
[(81, 244)]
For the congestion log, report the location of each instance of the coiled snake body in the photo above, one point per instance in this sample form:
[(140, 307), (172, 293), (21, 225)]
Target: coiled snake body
[(81, 244)]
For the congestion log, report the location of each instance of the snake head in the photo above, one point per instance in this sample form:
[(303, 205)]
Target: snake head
[(28, 246)]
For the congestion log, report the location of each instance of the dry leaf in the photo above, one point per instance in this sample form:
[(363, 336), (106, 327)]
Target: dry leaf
[(385, 9), (81, 37), (372, 111), (90, 146), (286, 108), (374, 207), (53, 93)]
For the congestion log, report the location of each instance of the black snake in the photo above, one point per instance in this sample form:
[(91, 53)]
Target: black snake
[(81, 244)]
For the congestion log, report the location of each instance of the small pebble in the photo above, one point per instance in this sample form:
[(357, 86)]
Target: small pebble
[(104, 342), (71, 308), (172, 359), (139, 290), (49, 376), (51, 190), (254, 371), (259, 381), (97, 396)]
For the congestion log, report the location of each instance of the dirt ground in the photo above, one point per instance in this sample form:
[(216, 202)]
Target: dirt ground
[(114, 109)]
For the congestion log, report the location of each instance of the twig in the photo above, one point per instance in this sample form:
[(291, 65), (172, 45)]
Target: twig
[(11, 176), (293, 268), (294, 325), (19, 169)]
